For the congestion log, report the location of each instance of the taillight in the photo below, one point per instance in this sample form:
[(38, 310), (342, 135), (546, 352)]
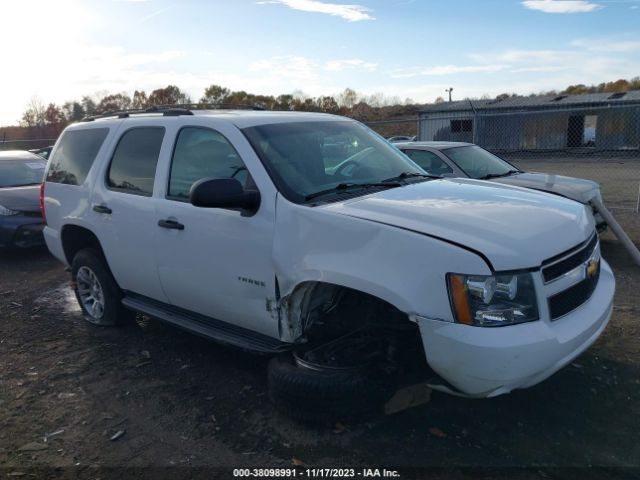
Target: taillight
[(44, 215)]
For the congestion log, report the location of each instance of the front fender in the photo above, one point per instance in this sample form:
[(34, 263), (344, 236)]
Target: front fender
[(403, 268)]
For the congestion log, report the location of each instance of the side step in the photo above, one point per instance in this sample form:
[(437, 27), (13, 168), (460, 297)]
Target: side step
[(218, 330)]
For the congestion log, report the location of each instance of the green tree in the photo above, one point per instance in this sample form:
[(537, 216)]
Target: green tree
[(328, 104), (140, 99), (215, 94), (578, 89), (170, 95), (114, 103), (73, 111), (54, 115), (89, 105)]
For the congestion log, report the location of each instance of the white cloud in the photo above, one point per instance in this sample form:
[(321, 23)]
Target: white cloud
[(351, 13), (289, 66), (520, 55), (440, 70), (609, 46), (339, 65), (146, 18), (561, 6)]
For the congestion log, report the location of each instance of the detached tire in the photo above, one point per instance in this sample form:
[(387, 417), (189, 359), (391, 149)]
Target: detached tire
[(96, 290), (325, 395)]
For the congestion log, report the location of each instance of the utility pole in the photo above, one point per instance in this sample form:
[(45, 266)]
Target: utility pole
[(449, 90)]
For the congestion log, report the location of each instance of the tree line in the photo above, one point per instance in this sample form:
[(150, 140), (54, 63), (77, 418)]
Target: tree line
[(39, 114), (349, 102)]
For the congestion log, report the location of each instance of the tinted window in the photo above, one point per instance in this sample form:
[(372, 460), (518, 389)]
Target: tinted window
[(75, 154), (15, 173), (201, 153), (429, 161), (133, 166)]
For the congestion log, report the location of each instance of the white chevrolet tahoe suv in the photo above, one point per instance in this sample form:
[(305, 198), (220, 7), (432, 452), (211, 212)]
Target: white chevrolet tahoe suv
[(309, 237)]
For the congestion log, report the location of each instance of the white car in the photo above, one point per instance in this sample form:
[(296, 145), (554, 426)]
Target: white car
[(238, 226)]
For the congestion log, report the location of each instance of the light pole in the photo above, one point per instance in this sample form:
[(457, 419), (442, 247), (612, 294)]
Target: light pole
[(449, 90)]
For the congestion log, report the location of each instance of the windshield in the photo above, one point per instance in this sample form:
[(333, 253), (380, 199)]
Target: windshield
[(16, 173), (305, 158), (476, 162)]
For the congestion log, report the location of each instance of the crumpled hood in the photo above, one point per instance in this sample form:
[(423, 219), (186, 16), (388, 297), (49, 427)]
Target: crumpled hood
[(513, 227), (575, 188), (21, 199)]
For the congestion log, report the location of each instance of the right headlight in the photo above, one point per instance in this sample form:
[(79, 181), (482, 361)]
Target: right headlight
[(492, 300)]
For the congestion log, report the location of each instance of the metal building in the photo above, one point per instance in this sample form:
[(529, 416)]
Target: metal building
[(600, 121)]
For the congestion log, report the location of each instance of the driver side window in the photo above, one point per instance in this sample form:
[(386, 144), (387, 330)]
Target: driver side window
[(200, 153), (429, 161)]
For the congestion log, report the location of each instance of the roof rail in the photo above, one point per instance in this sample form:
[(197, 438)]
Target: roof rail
[(172, 110)]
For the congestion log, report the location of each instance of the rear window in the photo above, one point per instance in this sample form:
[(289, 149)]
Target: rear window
[(17, 173), (75, 154)]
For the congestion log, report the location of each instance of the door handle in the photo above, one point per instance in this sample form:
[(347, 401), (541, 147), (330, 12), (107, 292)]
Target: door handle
[(101, 209), (170, 224)]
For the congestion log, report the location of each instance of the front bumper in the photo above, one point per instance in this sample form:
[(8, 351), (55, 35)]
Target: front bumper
[(21, 231), (486, 362)]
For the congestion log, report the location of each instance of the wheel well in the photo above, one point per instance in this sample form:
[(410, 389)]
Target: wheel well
[(75, 238), (312, 302), (336, 324)]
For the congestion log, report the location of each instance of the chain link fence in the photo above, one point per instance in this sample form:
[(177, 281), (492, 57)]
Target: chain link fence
[(595, 142)]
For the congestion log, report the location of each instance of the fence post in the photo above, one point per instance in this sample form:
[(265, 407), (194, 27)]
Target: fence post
[(474, 124), (638, 201)]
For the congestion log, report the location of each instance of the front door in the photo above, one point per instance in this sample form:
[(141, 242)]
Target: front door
[(212, 261)]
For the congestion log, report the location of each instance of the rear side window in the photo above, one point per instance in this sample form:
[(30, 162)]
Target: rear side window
[(75, 154), (201, 153), (133, 166)]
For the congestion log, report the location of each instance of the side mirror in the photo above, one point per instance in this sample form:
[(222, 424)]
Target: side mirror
[(223, 193)]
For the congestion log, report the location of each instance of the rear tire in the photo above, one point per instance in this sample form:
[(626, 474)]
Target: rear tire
[(326, 395), (96, 290)]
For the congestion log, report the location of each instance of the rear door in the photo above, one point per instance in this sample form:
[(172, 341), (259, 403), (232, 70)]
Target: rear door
[(123, 207)]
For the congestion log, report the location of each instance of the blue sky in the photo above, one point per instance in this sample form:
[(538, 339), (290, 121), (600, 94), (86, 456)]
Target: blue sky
[(405, 48)]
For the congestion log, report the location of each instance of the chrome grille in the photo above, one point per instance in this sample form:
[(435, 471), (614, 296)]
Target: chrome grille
[(568, 261), (568, 300), (572, 277)]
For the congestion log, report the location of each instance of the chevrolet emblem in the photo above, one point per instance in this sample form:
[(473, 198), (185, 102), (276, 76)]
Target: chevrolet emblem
[(593, 265)]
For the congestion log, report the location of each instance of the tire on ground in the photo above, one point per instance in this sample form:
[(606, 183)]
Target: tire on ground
[(114, 312), (312, 395)]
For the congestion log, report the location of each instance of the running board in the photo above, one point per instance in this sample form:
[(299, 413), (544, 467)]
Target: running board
[(211, 328)]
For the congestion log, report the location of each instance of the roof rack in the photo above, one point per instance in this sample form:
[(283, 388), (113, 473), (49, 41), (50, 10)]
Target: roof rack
[(172, 110)]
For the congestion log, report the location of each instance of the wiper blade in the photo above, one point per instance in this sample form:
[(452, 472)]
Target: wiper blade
[(405, 175), (343, 187), (498, 175)]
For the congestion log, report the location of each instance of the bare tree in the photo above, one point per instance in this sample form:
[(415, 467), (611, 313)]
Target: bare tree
[(34, 115)]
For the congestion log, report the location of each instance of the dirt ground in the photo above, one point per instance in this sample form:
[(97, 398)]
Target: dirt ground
[(176, 400)]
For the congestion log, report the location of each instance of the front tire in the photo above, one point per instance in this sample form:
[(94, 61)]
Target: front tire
[(96, 290), (318, 396)]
